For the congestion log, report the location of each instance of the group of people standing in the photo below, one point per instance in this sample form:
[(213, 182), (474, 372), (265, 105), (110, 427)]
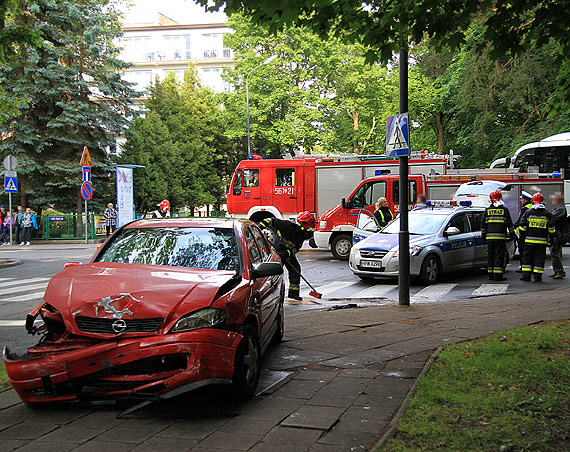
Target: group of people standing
[(21, 222), (536, 228)]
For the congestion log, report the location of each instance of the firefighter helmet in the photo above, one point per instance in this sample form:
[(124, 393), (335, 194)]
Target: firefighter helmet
[(306, 219), (495, 196), (537, 198), (164, 205)]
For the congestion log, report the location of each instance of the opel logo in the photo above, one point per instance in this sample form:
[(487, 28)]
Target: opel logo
[(119, 326)]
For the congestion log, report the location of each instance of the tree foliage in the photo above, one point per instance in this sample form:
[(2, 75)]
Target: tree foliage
[(180, 142), (73, 97)]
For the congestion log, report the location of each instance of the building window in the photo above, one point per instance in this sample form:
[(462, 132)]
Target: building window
[(142, 79), (177, 48), (179, 73), (137, 49), (213, 45)]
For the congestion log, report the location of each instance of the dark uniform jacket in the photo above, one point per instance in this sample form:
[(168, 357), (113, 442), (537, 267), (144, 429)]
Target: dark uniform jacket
[(537, 225), (524, 208), (496, 222), (383, 216), (290, 236)]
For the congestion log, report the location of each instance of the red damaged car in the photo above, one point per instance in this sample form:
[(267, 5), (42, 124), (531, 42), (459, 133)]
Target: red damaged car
[(165, 306)]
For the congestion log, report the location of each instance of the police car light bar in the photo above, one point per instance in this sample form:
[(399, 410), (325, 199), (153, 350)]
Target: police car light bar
[(438, 203)]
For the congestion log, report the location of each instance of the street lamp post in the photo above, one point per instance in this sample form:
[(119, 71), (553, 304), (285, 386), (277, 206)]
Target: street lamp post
[(267, 61)]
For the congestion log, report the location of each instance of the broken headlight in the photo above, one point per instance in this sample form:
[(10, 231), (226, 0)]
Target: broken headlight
[(204, 318)]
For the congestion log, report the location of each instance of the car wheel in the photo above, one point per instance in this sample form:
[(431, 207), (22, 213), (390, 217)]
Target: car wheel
[(431, 270), (340, 246), (247, 366)]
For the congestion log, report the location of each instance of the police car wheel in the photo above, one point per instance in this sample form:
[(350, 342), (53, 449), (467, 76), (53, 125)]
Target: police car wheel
[(431, 270)]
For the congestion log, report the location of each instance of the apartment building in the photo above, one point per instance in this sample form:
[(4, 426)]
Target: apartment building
[(156, 45)]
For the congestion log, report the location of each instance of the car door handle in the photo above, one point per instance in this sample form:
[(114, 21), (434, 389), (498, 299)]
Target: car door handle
[(292, 197), (257, 197)]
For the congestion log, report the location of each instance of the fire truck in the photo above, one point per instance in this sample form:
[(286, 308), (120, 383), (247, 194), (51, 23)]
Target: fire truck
[(284, 187), (334, 227)]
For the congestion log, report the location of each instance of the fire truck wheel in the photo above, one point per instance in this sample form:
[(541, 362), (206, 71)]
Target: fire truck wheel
[(340, 246)]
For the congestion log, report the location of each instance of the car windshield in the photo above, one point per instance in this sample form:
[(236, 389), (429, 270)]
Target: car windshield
[(420, 223), (208, 248)]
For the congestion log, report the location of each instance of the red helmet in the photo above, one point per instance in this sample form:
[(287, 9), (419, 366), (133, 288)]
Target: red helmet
[(537, 198), (306, 219), (164, 205), (495, 195)]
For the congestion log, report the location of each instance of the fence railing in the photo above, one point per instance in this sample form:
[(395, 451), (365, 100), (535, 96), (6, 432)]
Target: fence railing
[(72, 226)]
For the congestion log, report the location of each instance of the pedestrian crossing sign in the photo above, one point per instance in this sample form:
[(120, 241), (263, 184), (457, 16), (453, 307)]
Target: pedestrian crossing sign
[(10, 185), (397, 136)]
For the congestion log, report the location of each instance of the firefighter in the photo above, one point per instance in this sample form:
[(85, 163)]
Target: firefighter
[(526, 203), (496, 227), (537, 227), (382, 213), (288, 241), (163, 210)]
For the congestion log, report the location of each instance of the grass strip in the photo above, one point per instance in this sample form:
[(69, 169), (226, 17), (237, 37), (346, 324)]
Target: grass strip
[(4, 383), (505, 392)]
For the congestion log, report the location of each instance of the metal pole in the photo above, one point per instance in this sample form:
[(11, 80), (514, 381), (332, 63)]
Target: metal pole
[(404, 237), (10, 212), (86, 219), (247, 113)]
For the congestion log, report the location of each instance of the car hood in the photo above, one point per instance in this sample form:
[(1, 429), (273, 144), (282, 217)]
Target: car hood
[(383, 241), (131, 291)]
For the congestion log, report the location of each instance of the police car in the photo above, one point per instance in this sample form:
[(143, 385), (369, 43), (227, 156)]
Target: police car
[(444, 237)]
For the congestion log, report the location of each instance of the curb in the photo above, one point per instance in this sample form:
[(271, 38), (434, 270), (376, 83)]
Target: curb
[(393, 425), (5, 263)]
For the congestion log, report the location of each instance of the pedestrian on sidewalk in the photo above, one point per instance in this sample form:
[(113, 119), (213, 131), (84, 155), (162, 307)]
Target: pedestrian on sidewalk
[(382, 213), (496, 229), (28, 222), (288, 241), (526, 203), (18, 214), (5, 229), (110, 215), (538, 228), (560, 220)]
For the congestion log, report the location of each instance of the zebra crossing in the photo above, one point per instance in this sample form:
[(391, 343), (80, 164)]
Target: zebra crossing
[(344, 291), (19, 296)]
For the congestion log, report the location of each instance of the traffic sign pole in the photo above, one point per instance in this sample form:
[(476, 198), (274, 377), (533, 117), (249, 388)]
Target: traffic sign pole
[(86, 229), (11, 218)]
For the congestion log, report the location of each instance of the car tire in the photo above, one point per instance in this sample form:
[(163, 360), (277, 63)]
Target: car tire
[(340, 246), (431, 270), (247, 365)]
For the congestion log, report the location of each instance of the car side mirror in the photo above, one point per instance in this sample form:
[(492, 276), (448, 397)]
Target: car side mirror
[(343, 203), (71, 264), (452, 230), (265, 269)]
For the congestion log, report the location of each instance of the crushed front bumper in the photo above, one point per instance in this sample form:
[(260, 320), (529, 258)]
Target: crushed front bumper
[(136, 367)]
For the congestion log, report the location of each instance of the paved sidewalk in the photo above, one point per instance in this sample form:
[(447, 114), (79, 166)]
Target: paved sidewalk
[(348, 372)]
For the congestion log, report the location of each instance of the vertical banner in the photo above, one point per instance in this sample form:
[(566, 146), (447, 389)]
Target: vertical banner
[(125, 203)]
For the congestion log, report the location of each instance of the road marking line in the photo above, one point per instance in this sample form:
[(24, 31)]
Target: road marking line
[(15, 290), (331, 288), (22, 282), (30, 296), (484, 290), (432, 293), (375, 291), (12, 323)]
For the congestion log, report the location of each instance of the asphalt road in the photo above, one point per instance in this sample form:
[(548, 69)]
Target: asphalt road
[(22, 286)]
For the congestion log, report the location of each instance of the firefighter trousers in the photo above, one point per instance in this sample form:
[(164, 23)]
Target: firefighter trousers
[(294, 269), (533, 261), (497, 250)]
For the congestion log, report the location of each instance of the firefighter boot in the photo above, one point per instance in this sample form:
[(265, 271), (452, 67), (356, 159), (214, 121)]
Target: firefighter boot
[(294, 295)]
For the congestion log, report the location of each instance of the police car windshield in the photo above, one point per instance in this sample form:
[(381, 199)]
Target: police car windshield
[(424, 223)]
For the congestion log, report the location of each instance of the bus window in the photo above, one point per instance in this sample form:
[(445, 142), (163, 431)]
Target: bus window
[(237, 183), (547, 160), (525, 160)]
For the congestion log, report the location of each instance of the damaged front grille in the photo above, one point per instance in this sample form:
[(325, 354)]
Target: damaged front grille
[(118, 326)]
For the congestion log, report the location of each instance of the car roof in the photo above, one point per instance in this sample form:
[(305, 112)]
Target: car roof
[(183, 223), (442, 210)]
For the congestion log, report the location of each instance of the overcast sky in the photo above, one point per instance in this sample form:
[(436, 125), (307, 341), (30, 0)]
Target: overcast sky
[(182, 11)]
